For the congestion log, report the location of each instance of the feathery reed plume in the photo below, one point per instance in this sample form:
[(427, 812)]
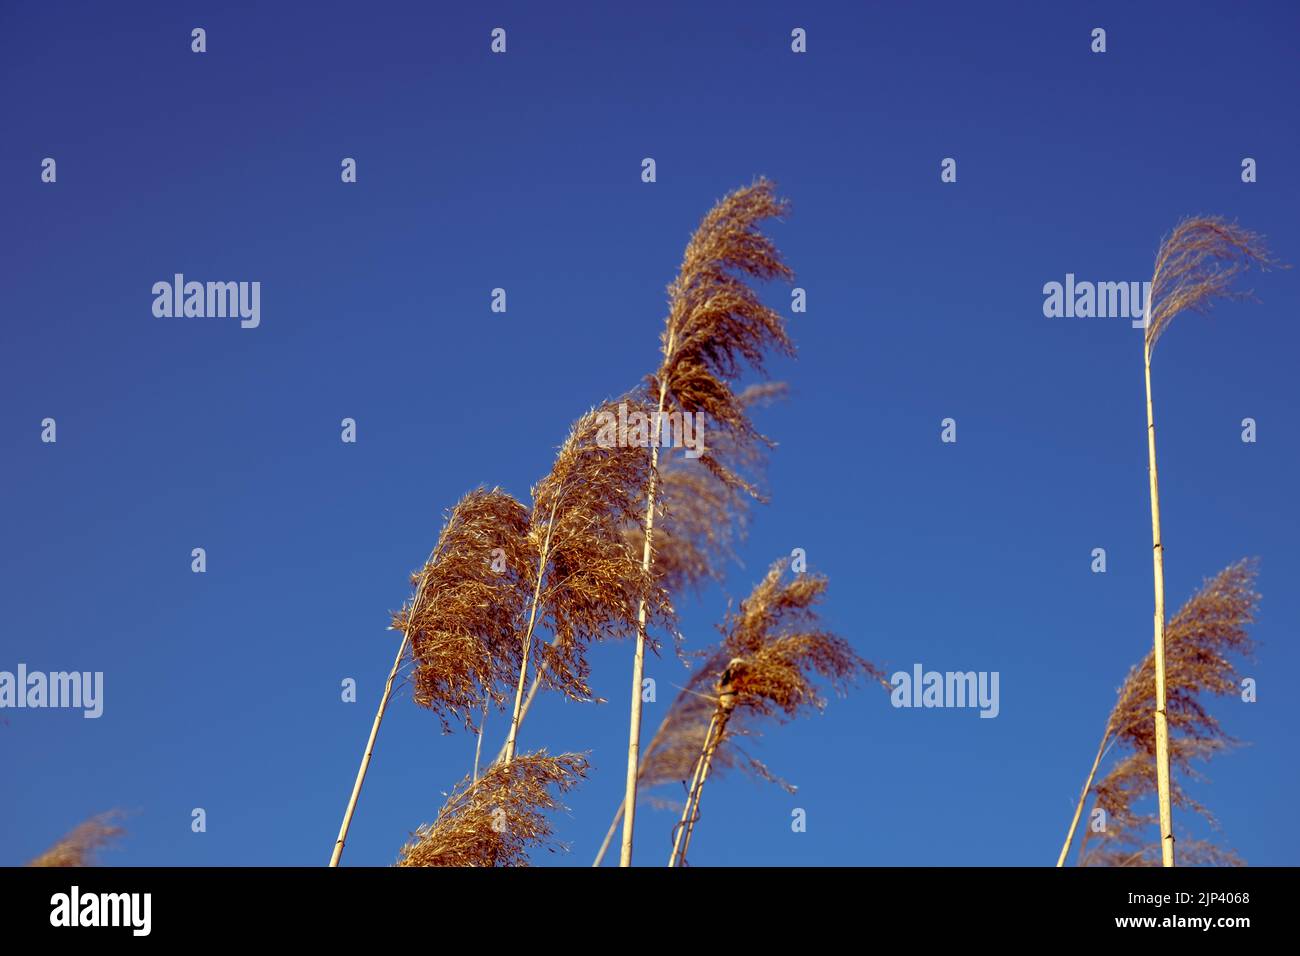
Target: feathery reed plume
[(1124, 841), (594, 582), (702, 516), (80, 846), (458, 629), (716, 326), (775, 651), (1195, 266), (461, 625), (586, 582), (495, 821), (1199, 644)]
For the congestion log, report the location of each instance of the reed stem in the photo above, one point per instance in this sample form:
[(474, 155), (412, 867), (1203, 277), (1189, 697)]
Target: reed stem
[(1083, 797), (638, 660), (365, 757), (1158, 560), (691, 812)]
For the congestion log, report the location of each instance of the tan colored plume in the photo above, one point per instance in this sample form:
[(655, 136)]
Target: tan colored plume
[(499, 819), (82, 844)]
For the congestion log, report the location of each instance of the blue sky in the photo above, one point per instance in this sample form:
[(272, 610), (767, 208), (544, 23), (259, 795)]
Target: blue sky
[(523, 171)]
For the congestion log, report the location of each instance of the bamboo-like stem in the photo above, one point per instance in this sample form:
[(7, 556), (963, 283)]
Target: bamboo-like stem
[(1083, 797), (478, 746), (365, 758), (517, 716), (638, 659), (699, 794), (718, 726), (534, 686), (680, 828), (692, 793), (609, 835), (618, 814), (1158, 560)]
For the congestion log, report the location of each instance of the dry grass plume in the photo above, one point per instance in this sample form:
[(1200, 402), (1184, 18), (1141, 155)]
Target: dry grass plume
[(462, 621), (716, 328), (83, 843), (1196, 265), (498, 819), (1201, 642)]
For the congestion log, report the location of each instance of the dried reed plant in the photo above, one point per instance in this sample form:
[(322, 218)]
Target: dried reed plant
[(1124, 841), (587, 583), (1200, 643), (458, 630), (716, 327), (469, 597), (702, 517), (1195, 267), (81, 845), (671, 755), (776, 654), (701, 521), (496, 820)]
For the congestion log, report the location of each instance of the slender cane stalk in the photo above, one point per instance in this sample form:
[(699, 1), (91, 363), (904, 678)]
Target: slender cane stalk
[(533, 688), (693, 795), (517, 716), (638, 660), (695, 816), (1083, 796), (682, 841), (618, 814), (716, 325), (609, 835), (1161, 714), (365, 758), (688, 808), (1195, 265), (478, 745), (374, 728)]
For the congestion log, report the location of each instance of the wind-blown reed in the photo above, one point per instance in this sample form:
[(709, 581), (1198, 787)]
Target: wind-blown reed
[(587, 583), (1201, 642), (498, 819), (462, 623), (671, 755), (776, 654), (81, 845), (1195, 266), (716, 327), (458, 630), (702, 517)]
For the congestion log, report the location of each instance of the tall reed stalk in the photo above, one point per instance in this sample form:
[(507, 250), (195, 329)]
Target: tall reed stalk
[(587, 582), (456, 626), (691, 812), (1194, 266), (1200, 641), (337, 854), (776, 651), (715, 325)]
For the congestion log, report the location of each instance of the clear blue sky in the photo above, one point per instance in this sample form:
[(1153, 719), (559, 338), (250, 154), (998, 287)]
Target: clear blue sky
[(522, 171)]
